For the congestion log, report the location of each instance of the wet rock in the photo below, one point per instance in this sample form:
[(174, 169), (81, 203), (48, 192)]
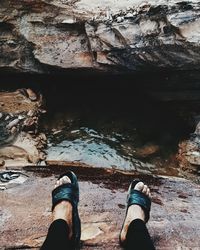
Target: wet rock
[(147, 150)]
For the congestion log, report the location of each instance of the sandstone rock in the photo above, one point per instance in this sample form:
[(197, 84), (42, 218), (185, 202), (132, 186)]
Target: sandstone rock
[(13, 152), (16, 103), (147, 150), (13, 130), (2, 163), (104, 36), (189, 151), (30, 113), (32, 96), (17, 147), (91, 231), (174, 222)]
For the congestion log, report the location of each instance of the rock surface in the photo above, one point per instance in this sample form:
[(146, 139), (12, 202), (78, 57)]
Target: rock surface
[(20, 142), (25, 212), (189, 152), (46, 36)]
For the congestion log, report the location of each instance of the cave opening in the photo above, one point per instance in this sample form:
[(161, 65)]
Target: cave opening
[(127, 122)]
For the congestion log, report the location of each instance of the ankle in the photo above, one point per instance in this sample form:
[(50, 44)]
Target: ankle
[(63, 210), (135, 212)]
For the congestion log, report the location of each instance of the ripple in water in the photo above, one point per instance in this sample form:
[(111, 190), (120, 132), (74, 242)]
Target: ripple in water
[(92, 148)]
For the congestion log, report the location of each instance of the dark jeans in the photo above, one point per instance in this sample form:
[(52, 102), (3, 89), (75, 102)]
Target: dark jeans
[(138, 237)]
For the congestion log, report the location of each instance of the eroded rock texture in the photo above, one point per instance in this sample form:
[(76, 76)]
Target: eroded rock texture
[(20, 142), (45, 35), (189, 151)]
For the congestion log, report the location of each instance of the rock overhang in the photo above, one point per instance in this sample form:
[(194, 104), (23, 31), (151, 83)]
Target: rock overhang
[(124, 36)]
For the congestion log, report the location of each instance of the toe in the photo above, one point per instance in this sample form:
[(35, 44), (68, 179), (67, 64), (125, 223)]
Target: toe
[(139, 186), (62, 181), (150, 195), (144, 190), (57, 183), (148, 192), (65, 179)]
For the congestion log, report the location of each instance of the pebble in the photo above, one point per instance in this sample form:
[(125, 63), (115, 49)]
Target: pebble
[(29, 122), (129, 15), (13, 130), (43, 137), (21, 117), (144, 6), (43, 111), (57, 132), (12, 123), (31, 113), (120, 19), (32, 96), (70, 20), (35, 118), (42, 163), (42, 156), (39, 146), (2, 163), (1, 115)]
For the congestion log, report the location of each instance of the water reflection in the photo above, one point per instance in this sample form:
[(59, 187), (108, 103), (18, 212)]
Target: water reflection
[(113, 129)]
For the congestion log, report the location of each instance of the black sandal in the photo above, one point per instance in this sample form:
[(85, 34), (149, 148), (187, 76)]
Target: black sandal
[(138, 198), (70, 192)]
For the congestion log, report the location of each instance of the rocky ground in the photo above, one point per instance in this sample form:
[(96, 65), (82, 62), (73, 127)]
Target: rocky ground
[(25, 212), (25, 187), (20, 141)]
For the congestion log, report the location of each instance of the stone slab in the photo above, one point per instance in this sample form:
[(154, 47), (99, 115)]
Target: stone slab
[(25, 212)]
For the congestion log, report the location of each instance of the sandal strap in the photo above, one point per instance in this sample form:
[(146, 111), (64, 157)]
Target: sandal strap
[(65, 192), (70, 192), (136, 197)]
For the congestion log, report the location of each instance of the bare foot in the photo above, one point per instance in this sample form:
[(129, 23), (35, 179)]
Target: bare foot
[(63, 210), (134, 211)]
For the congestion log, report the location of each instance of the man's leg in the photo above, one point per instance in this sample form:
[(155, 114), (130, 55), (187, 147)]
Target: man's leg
[(134, 234), (60, 231), (57, 237), (138, 237)]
